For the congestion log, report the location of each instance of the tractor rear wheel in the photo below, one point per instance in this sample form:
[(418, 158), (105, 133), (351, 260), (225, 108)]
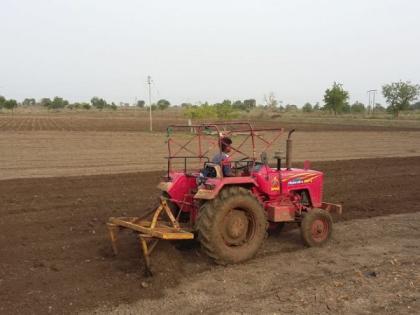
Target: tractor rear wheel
[(232, 227), (316, 227)]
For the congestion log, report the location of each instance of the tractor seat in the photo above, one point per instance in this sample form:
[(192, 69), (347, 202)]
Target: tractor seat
[(212, 170)]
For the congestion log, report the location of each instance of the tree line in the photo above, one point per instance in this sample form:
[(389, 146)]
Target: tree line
[(399, 96), (57, 103)]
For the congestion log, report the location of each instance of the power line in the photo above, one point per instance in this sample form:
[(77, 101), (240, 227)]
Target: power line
[(371, 102), (149, 82)]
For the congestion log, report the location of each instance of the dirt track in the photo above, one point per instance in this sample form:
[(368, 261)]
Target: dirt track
[(56, 256)]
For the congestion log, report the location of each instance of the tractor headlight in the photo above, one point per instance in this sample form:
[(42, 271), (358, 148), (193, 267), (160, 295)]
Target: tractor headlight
[(201, 179)]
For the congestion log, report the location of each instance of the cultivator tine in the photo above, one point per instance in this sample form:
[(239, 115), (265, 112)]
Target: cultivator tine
[(149, 232), (147, 250), (113, 233)]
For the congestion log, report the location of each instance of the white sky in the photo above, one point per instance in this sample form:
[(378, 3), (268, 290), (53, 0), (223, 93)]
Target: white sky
[(206, 50)]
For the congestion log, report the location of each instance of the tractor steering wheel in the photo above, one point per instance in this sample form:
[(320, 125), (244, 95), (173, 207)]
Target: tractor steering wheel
[(240, 161)]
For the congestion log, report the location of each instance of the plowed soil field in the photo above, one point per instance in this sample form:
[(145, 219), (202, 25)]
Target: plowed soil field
[(69, 153), (55, 255), (139, 121)]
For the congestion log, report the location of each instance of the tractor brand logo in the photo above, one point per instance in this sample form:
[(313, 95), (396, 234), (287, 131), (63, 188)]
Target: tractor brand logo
[(275, 184), (302, 179), (295, 181)]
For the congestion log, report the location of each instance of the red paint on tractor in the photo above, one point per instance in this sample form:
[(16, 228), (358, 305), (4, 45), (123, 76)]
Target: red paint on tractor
[(284, 192)]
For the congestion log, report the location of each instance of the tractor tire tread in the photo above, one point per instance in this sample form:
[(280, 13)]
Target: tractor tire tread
[(305, 228), (207, 215)]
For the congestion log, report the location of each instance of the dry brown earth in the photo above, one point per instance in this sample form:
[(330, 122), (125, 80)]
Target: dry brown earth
[(52, 153), (361, 271), (56, 257), (139, 121)]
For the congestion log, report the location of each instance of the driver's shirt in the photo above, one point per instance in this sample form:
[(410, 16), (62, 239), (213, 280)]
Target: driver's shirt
[(218, 159)]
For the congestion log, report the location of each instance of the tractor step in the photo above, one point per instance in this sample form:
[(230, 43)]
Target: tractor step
[(149, 232)]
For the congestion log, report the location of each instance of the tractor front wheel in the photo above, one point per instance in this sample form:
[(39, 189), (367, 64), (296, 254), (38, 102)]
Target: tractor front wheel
[(316, 227), (232, 227)]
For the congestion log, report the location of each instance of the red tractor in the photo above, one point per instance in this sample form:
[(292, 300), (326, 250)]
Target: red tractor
[(230, 213)]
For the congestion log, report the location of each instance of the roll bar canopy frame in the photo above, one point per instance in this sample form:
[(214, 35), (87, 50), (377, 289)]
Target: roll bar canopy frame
[(176, 150)]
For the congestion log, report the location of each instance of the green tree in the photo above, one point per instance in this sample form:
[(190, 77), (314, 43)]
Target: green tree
[(10, 104), (46, 102), (307, 108), (250, 103), (346, 108), (416, 106), (98, 103), (224, 110), (2, 101), (58, 102), (379, 108), (336, 98), (358, 107), (238, 105), (86, 106), (198, 112), (317, 107), (291, 108), (140, 103), (399, 95), (29, 102), (163, 104)]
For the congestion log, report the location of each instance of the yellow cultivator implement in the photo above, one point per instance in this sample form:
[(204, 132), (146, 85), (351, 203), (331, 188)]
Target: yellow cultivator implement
[(149, 231)]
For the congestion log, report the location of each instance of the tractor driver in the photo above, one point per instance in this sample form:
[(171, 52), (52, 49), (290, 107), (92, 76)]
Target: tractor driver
[(225, 146)]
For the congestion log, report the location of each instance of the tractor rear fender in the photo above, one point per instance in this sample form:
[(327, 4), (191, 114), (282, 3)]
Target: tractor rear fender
[(179, 186), (213, 186), (164, 186)]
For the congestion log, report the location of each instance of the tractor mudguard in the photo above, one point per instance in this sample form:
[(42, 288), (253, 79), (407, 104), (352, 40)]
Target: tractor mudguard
[(217, 185), (164, 186)]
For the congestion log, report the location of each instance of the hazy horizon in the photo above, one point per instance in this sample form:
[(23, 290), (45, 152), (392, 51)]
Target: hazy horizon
[(209, 51)]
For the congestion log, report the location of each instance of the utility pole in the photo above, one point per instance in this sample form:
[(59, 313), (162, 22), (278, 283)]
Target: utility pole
[(149, 82), (371, 104)]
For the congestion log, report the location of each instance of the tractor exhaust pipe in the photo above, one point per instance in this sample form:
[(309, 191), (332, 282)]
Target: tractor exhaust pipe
[(289, 150)]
